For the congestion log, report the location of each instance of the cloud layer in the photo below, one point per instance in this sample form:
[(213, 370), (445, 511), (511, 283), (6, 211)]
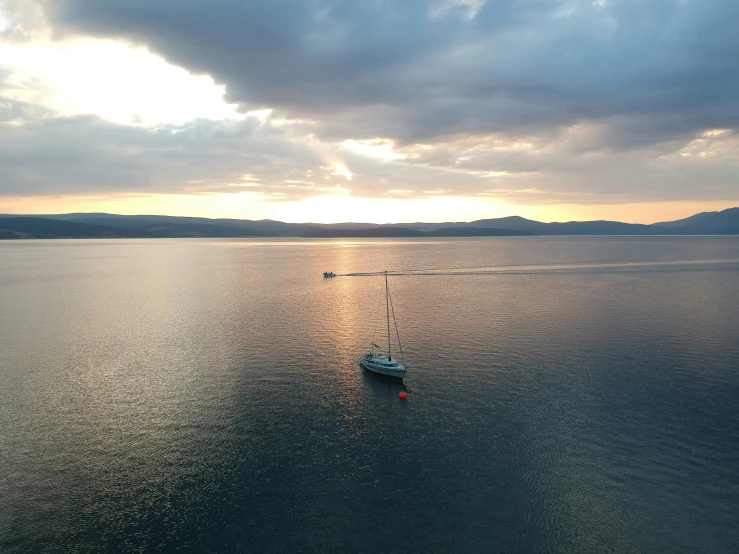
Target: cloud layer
[(418, 70), (528, 100)]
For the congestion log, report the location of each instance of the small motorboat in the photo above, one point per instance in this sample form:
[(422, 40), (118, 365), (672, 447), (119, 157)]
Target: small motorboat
[(329, 274), (383, 363)]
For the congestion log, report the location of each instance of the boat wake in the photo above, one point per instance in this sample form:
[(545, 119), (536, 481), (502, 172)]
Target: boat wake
[(585, 267)]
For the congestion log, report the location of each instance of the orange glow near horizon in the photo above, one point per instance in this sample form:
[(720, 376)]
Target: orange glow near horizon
[(344, 208)]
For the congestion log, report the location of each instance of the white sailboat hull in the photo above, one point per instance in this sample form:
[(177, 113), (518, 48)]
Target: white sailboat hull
[(382, 365)]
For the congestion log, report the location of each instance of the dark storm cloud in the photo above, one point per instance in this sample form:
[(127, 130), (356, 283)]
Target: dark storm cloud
[(415, 71)]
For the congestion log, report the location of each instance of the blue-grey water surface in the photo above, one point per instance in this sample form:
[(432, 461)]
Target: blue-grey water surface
[(564, 395)]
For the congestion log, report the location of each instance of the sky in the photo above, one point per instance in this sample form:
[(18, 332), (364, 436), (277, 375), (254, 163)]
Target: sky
[(370, 110)]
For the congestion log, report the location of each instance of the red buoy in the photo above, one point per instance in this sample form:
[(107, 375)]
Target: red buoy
[(402, 395)]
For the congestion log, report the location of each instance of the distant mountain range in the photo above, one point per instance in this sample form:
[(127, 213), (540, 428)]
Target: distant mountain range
[(99, 225)]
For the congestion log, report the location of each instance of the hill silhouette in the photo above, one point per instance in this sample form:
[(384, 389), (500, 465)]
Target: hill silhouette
[(100, 225)]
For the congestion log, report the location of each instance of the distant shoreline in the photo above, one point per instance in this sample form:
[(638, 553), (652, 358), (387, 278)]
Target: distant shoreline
[(339, 237), (109, 226)]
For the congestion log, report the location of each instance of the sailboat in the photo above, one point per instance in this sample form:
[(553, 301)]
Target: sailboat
[(384, 364)]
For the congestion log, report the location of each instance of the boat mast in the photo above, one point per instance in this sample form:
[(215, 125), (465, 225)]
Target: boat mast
[(397, 333), (387, 310)]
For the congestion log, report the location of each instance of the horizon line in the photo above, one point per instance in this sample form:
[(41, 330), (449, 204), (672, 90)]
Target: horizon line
[(41, 215)]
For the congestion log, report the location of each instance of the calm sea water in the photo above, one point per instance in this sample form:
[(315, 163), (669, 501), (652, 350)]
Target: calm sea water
[(564, 395)]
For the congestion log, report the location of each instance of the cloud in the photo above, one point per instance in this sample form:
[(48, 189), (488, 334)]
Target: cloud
[(572, 101), (117, 81), (412, 70), (44, 153)]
